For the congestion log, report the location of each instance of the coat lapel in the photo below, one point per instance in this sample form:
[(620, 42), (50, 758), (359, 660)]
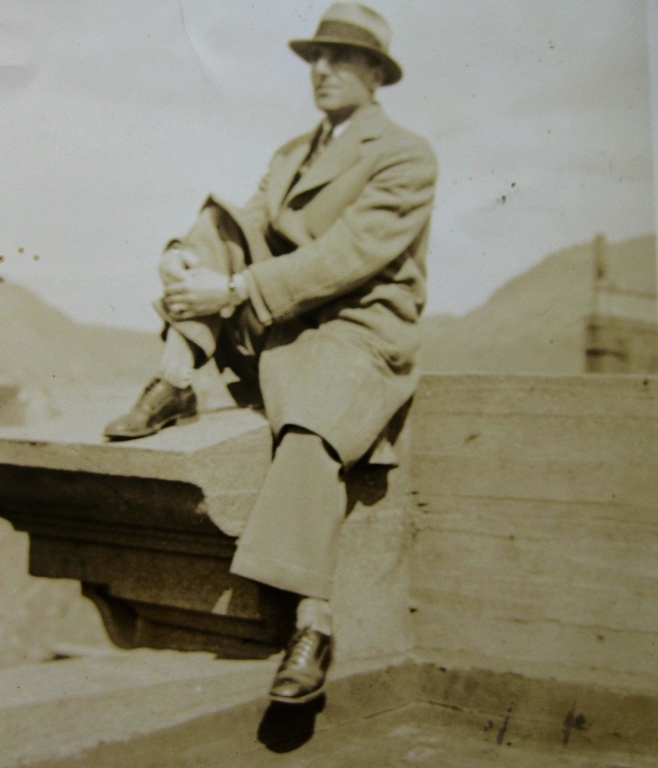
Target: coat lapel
[(343, 152), (282, 177)]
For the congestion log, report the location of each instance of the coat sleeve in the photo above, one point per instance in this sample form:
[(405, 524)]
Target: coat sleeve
[(386, 218)]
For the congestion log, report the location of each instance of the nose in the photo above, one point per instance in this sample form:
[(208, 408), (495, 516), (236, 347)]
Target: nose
[(322, 65)]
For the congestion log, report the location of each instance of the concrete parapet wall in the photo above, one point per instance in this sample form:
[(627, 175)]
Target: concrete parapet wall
[(533, 541), (537, 525), (621, 345), (371, 591)]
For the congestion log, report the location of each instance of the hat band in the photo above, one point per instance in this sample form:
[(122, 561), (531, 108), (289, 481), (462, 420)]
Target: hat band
[(347, 33)]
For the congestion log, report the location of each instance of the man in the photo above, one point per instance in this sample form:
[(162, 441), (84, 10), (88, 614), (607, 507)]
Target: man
[(316, 287)]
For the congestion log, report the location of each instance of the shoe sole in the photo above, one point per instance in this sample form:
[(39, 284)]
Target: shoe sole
[(180, 421), (300, 699)]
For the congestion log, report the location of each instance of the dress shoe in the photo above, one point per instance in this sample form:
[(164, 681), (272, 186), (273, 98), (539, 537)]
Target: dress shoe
[(160, 405), (301, 675)]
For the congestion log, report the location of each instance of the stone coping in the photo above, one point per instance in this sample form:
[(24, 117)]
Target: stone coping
[(77, 444), (74, 440), (225, 454)]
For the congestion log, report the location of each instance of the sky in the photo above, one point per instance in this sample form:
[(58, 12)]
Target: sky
[(118, 118)]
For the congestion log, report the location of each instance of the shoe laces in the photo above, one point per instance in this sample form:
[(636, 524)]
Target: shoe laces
[(148, 388), (153, 401), (302, 648)]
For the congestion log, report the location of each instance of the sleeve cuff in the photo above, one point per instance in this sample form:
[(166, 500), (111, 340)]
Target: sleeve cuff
[(256, 298)]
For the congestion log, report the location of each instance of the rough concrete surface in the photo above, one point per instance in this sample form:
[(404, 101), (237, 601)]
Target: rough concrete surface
[(420, 735), (224, 453), (64, 707), (405, 715), (537, 525)]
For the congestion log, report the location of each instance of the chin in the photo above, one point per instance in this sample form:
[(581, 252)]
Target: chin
[(328, 99), (326, 105)]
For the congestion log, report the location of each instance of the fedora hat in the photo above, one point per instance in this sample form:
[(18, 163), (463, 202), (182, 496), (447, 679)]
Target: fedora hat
[(355, 25)]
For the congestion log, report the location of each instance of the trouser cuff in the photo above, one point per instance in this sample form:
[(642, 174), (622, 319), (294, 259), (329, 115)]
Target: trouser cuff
[(287, 576)]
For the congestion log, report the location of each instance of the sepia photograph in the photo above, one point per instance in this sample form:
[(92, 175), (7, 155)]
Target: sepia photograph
[(328, 384)]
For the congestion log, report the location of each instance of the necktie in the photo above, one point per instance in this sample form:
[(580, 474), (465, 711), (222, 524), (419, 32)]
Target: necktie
[(317, 148), (326, 136)]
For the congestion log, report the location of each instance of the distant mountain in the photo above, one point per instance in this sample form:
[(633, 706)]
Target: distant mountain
[(536, 322), (40, 345)]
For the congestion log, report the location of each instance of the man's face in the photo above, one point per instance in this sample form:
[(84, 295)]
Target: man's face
[(344, 79)]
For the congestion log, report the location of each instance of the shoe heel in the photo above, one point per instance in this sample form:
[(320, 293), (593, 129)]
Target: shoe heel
[(181, 421)]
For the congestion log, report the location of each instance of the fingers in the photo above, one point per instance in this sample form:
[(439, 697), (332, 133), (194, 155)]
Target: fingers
[(171, 275), (177, 300), (179, 311), (171, 266), (177, 290), (189, 259)]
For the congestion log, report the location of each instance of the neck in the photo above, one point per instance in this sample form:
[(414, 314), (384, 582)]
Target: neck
[(338, 116)]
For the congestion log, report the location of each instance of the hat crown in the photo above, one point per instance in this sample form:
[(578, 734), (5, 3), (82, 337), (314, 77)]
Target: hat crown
[(359, 16), (355, 25)]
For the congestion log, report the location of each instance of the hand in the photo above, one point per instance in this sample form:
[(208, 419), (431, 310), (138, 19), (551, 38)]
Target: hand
[(199, 291), (174, 263)]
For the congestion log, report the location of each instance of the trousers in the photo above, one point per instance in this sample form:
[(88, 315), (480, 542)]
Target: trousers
[(292, 534)]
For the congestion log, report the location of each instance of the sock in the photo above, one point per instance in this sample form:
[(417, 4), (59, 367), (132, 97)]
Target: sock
[(177, 362), (316, 614)]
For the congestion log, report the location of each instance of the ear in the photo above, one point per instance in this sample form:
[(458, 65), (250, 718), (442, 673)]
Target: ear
[(380, 75), (376, 76)]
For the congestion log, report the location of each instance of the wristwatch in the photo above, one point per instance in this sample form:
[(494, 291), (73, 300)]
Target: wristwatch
[(237, 294)]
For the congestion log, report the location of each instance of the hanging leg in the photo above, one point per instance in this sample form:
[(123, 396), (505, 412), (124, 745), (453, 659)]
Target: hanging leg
[(291, 542)]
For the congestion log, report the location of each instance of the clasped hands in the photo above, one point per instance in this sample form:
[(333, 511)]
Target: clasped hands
[(191, 291)]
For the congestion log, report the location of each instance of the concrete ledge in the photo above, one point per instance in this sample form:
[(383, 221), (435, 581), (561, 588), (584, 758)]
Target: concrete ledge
[(148, 528), (224, 456)]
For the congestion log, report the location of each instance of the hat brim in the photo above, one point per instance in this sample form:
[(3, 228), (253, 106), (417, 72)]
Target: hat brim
[(306, 49)]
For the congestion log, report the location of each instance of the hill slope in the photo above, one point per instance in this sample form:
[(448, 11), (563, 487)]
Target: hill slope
[(40, 345), (536, 322)]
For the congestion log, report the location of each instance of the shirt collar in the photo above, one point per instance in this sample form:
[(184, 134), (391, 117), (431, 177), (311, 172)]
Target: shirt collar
[(336, 130)]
